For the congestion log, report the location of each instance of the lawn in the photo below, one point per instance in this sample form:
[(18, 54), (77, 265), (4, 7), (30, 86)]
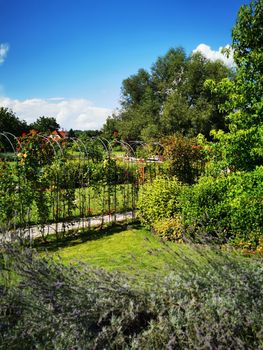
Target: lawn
[(134, 249), (131, 249), (195, 292)]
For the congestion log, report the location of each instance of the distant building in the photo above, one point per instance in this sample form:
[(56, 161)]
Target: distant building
[(59, 134)]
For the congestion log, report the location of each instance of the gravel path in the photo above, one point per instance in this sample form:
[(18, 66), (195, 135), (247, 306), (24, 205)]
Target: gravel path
[(35, 231)]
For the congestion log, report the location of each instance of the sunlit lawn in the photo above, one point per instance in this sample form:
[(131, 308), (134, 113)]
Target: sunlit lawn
[(134, 250)]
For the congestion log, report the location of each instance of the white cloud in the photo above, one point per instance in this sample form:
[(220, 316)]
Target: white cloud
[(216, 55), (3, 52), (70, 113)]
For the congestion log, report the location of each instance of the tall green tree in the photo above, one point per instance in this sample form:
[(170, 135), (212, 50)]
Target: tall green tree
[(242, 147), (134, 87), (45, 124), (170, 98), (110, 128), (140, 105), (168, 72), (9, 122), (190, 108)]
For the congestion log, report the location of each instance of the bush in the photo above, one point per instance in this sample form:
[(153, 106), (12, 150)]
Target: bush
[(169, 229), (15, 196), (77, 174), (216, 305), (230, 204), (186, 157), (158, 200)]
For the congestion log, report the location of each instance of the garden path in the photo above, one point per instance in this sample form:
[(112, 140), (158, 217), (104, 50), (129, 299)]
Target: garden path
[(35, 231)]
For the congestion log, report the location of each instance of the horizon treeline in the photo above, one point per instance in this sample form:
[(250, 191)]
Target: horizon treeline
[(170, 98)]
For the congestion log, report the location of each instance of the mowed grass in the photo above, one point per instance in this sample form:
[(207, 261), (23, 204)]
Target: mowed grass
[(131, 249), (128, 250)]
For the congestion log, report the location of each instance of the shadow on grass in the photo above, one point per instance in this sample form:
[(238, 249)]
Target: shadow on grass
[(73, 238)]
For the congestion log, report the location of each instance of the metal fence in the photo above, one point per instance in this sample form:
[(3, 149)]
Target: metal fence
[(50, 185)]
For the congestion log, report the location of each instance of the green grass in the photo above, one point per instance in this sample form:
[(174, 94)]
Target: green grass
[(128, 250), (208, 301), (134, 250)]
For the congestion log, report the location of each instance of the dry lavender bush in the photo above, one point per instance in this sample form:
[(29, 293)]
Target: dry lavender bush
[(46, 305)]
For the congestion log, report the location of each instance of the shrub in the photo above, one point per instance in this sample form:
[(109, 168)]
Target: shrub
[(158, 200), (83, 173), (217, 305), (170, 229), (186, 158), (231, 203), (15, 196)]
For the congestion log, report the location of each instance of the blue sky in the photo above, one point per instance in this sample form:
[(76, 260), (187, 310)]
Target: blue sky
[(67, 58)]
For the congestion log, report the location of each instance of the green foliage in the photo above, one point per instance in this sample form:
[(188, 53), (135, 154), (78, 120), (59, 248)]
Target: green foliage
[(8, 194), (44, 185), (134, 87), (170, 229), (9, 122), (34, 152), (241, 148), (170, 98), (109, 129), (158, 200), (194, 306), (83, 173), (230, 204), (185, 157), (45, 124), (35, 155), (88, 146), (15, 195)]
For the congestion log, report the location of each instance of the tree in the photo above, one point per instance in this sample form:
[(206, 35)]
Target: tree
[(190, 109), (110, 128), (133, 88), (175, 116), (45, 124), (9, 122), (71, 133), (171, 98), (140, 106), (168, 72), (242, 147)]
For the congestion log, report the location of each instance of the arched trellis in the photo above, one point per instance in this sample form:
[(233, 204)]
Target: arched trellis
[(49, 141), (125, 145), (106, 203), (5, 133), (81, 187), (78, 142), (147, 144), (105, 143), (20, 214), (137, 143), (159, 144), (129, 187), (50, 198), (82, 197), (152, 162)]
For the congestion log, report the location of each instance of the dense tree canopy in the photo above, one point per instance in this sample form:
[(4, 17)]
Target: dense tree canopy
[(45, 124), (242, 146), (9, 122), (170, 98)]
